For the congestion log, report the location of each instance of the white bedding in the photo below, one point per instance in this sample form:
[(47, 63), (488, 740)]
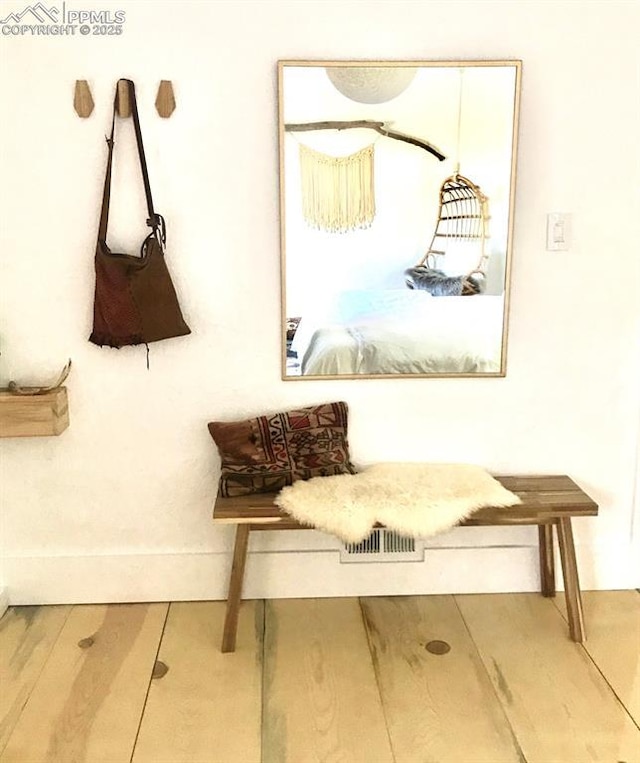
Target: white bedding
[(401, 331)]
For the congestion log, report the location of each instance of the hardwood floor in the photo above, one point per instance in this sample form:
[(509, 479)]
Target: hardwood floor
[(437, 679)]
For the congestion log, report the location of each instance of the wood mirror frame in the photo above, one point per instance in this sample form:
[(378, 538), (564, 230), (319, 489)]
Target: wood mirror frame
[(397, 189)]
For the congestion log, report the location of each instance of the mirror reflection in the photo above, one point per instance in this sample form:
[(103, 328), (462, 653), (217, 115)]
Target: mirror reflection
[(397, 184)]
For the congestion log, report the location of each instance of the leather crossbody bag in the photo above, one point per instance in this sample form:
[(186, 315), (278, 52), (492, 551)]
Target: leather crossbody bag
[(135, 301)]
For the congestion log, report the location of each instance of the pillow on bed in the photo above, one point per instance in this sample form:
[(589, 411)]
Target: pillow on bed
[(264, 454)]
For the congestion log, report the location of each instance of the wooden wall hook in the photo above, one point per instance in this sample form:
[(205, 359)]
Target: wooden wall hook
[(82, 99), (124, 101), (84, 105), (165, 100)]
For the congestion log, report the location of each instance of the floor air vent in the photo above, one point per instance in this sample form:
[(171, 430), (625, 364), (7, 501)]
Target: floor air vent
[(384, 546)]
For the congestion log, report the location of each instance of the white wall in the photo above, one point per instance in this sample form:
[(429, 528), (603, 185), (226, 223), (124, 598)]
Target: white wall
[(118, 507)]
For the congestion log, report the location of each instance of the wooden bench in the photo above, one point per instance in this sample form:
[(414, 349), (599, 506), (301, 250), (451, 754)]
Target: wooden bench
[(547, 501)]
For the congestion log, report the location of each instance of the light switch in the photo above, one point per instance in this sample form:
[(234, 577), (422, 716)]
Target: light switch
[(558, 232)]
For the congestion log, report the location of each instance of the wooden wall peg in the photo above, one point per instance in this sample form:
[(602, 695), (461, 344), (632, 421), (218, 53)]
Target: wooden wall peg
[(124, 102), (165, 100), (82, 99)]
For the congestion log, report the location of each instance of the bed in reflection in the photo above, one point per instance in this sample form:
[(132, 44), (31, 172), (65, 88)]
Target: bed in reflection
[(398, 331)]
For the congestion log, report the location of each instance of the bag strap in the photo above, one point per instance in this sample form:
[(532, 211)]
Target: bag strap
[(155, 221)]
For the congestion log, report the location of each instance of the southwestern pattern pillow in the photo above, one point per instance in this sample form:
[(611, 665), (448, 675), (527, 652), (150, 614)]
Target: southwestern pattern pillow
[(264, 454)]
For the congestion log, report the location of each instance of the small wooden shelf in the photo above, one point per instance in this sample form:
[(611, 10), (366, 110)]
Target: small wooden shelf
[(33, 415)]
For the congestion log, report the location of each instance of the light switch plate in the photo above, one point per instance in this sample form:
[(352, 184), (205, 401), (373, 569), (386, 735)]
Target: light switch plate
[(558, 232)]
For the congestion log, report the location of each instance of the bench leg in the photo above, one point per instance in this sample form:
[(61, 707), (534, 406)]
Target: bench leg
[(571, 582), (235, 589), (547, 566)]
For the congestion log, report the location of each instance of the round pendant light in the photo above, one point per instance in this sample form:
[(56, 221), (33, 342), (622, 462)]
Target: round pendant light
[(371, 84)]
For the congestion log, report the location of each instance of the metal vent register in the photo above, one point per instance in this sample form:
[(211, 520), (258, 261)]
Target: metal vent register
[(383, 546)]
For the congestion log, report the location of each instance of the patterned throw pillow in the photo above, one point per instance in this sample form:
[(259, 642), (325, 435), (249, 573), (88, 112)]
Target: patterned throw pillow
[(264, 454)]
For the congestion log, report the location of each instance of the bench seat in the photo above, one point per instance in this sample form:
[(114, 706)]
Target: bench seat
[(547, 501)]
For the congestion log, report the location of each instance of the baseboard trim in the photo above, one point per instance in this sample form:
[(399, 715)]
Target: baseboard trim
[(4, 601), (204, 576)]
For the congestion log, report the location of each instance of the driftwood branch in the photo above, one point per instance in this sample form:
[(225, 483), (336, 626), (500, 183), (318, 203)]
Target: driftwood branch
[(369, 124)]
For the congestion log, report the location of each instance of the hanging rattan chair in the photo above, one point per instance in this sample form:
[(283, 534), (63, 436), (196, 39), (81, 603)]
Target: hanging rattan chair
[(463, 219)]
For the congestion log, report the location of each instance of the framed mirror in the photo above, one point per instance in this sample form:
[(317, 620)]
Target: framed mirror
[(397, 193)]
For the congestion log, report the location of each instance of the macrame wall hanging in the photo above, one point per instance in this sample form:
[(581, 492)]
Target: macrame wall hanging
[(337, 191)]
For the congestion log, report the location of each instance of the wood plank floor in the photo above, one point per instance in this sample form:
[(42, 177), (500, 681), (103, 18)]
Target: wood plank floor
[(434, 679)]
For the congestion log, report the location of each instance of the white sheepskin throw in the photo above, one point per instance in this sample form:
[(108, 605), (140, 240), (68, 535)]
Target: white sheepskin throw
[(418, 500)]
